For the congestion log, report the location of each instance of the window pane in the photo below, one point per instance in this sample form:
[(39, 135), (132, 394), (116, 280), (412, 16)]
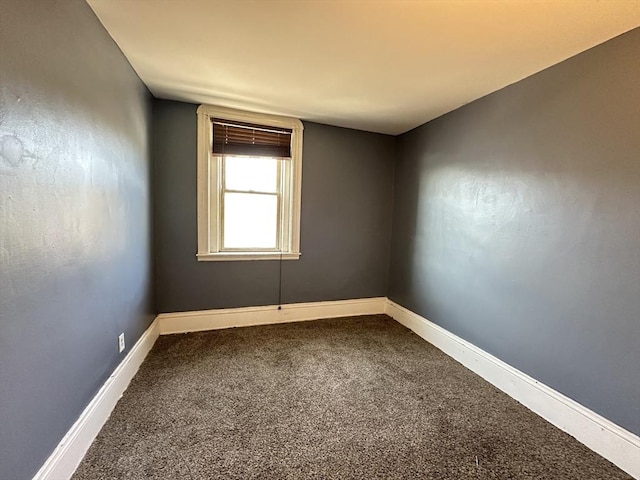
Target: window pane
[(250, 220), (259, 174)]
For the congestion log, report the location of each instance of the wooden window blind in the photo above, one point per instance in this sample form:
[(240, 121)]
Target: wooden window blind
[(231, 137)]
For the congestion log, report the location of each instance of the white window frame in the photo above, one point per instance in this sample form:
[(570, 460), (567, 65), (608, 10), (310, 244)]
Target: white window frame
[(210, 223)]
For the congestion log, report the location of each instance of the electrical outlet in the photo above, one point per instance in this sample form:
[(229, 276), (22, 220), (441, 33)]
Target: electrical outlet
[(121, 342)]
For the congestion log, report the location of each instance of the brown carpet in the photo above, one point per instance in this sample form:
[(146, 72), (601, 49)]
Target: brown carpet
[(357, 397)]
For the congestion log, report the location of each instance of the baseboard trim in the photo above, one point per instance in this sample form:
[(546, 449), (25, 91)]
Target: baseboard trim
[(182, 322), (74, 445), (609, 440)]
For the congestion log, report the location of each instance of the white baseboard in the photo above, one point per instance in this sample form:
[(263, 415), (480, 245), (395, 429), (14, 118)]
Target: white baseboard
[(599, 434), (74, 445), (609, 440), (183, 322), (69, 453)]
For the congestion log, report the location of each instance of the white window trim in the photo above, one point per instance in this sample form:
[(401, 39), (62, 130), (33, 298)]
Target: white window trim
[(208, 244)]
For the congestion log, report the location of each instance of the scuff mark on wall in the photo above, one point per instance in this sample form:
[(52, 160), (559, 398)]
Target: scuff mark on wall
[(14, 155)]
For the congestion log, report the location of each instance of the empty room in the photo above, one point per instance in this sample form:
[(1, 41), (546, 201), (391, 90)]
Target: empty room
[(319, 239)]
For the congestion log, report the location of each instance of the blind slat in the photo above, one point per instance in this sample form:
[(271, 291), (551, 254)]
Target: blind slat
[(237, 138)]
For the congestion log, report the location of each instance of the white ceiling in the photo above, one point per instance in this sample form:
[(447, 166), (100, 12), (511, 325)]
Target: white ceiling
[(384, 66)]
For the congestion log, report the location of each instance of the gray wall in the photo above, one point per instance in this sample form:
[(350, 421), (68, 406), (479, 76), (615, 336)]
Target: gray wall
[(345, 221), (516, 223), (75, 220), (516, 226)]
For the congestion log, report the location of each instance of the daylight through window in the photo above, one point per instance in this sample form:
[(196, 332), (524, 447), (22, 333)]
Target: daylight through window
[(249, 180)]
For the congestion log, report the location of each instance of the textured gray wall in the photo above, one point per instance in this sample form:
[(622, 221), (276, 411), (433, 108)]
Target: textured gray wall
[(75, 220), (345, 221), (517, 224)]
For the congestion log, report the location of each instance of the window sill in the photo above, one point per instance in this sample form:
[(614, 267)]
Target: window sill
[(230, 257)]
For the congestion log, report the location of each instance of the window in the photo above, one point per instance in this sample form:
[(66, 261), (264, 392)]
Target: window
[(249, 184)]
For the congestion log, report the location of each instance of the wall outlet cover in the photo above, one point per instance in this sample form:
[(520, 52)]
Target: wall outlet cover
[(121, 342)]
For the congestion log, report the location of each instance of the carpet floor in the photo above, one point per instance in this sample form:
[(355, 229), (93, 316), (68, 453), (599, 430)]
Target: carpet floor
[(357, 397)]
